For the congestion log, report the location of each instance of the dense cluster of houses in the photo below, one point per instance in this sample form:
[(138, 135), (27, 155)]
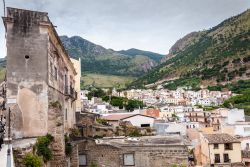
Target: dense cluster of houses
[(42, 91), (181, 96), (218, 136)]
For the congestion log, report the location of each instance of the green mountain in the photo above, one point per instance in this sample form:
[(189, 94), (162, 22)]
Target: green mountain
[(97, 59), (134, 52), (219, 55)]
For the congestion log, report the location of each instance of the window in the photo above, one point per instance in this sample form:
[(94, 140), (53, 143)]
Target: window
[(55, 73), (51, 69), (83, 160), (66, 114), (128, 160), (247, 146), (217, 158), (145, 125), (226, 158), (216, 146), (228, 146)]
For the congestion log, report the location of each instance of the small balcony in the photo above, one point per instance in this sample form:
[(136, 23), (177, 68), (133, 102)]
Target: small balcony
[(70, 92)]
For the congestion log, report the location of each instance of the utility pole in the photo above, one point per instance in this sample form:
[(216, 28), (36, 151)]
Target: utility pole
[(9, 143), (4, 8)]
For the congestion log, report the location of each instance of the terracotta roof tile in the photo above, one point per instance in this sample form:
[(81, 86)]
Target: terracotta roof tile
[(221, 138)]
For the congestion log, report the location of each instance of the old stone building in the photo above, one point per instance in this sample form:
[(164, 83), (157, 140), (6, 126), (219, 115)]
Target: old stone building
[(138, 152), (39, 72), (40, 81)]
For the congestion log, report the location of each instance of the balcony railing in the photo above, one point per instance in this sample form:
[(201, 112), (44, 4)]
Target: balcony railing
[(246, 154), (70, 91)]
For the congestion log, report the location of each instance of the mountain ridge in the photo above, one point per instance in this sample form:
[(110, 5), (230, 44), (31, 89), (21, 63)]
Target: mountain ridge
[(133, 52), (218, 55), (97, 59)]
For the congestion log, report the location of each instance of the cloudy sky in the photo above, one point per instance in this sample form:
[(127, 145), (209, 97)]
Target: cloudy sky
[(152, 25)]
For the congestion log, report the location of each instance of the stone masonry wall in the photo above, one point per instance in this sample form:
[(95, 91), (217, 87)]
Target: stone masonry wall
[(145, 156), (56, 129), (74, 161)]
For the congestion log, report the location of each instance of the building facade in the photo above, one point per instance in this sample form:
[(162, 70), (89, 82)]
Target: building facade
[(39, 73), (137, 152), (219, 150)]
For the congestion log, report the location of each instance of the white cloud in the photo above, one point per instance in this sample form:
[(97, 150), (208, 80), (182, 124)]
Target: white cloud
[(121, 24)]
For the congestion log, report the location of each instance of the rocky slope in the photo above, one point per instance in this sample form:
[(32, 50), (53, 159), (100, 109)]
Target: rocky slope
[(218, 55)]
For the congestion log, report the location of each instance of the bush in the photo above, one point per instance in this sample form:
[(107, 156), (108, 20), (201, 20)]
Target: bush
[(215, 88), (31, 160), (55, 104), (93, 164), (68, 146), (42, 147), (189, 82), (95, 92), (102, 121), (74, 132), (124, 102), (133, 131)]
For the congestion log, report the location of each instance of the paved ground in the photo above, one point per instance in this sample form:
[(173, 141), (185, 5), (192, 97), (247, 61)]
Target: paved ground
[(3, 156)]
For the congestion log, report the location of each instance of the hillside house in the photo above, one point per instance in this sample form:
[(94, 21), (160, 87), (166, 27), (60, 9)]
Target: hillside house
[(138, 120), (219, 150)]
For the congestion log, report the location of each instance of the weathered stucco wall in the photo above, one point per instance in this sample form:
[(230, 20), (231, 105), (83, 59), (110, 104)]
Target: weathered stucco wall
[(39, 71), (77, 65), (27, 72)]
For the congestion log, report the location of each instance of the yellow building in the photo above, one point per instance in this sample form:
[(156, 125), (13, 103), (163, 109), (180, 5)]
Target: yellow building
[(77, 66), (219, 150), (166, 114)]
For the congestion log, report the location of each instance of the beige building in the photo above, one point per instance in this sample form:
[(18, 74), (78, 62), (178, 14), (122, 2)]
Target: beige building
[(202, 117), (77, 65), (39, 73), (219, 150)]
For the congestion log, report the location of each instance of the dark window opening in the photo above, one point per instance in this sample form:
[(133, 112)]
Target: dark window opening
[(55, 73), (228, 146), (216, 146), (145, 125), (66, 114), (226, 158), (26, 56), (217, 158)]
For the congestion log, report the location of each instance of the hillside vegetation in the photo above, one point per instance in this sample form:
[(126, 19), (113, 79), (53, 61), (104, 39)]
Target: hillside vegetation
[(97, 59), (133, 52), (242, 100), (105, 81), (219, 55)]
